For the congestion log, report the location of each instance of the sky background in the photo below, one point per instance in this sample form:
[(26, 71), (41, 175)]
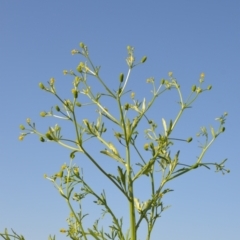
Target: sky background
[(186, 37)]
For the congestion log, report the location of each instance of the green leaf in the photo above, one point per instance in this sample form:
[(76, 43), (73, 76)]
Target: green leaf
[(112, 155), (164, 126), (212, 131), (147, 168), (143, 105), (113, 148), (122, 176)]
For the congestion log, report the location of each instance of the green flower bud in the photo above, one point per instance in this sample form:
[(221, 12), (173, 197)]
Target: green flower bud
[(59, 174), (79, 68), (76, 171), (42, 139), (144, 59), (28, 120), (121, 76), (189, 139), (57, 108), (146, 146), (126, 106), (64, 166), (209, 87), (75, 93), (22, 127), (41, 86), (194, 88), (78, 104), (81, 44), (162, 81), (119, 90), (43, 114), (150, 121), (49, 136), (223, 129)]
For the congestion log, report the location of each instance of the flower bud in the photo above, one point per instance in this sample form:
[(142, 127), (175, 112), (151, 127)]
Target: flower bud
[(28, 120), (223, 129), (43, 114), (76, 171), (119, 90), (170, 74), (22, 127), (78, 104), (162, 81), (194, 88), (51, 82), (126, 106), (143, 60), (57, 108), (21, 137), (202, 75), (79, 68), (75, 93), (121, 76), (59, 174), (150, 121), (209, 87), (81, 44), (42, 139), (146, 146), (64, 166), (49, 136), (41, 86), (189, 139)]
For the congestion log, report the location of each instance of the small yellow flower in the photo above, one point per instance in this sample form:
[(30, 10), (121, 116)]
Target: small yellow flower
[(202, 75), (170, 74), (62, 230), (65, 72), (28, 120)]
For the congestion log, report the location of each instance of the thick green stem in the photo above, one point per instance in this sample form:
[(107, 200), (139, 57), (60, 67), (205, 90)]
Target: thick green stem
[(131, 197)]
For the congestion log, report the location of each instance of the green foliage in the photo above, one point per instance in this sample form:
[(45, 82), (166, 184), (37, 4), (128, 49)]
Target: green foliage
[(160, 161)]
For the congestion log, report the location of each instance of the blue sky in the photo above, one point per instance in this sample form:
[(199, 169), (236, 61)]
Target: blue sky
[(186, 37)]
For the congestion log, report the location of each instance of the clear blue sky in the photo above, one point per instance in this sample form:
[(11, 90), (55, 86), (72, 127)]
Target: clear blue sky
[(186, 37)]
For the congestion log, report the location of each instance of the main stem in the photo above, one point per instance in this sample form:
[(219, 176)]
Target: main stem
[(131, 197), (129, 174)]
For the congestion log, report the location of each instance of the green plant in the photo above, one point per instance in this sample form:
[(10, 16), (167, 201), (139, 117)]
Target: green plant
[(121, 146)]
